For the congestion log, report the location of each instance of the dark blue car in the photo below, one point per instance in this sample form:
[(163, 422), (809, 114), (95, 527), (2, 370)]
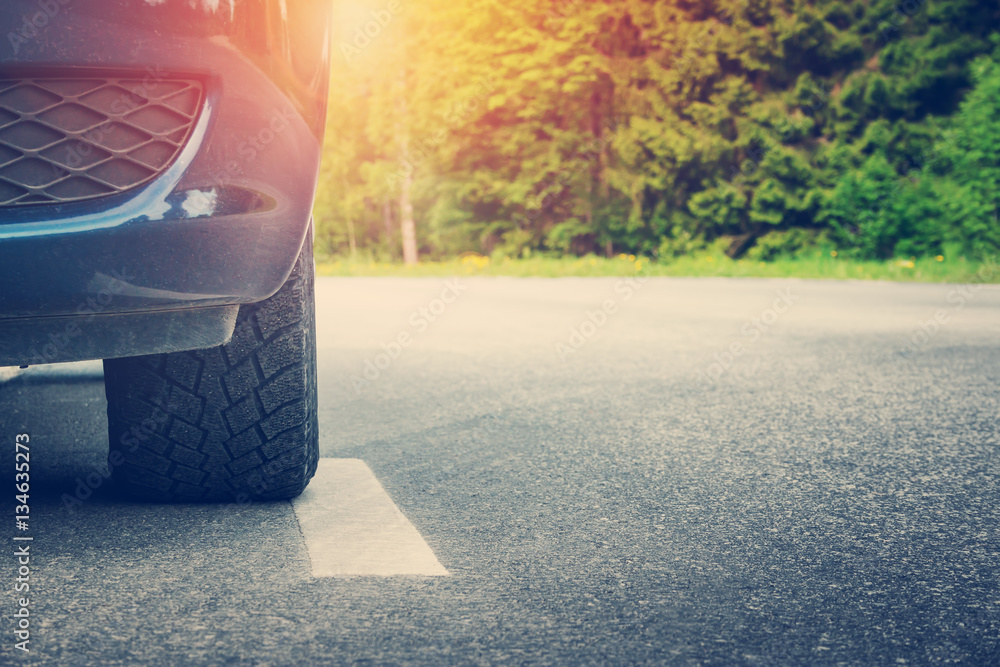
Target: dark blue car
[(158, 162)]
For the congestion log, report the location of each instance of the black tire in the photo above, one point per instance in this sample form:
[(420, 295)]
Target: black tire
[(236, 422)]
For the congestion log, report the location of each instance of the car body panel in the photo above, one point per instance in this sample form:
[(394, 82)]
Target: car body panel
[(224, 224)]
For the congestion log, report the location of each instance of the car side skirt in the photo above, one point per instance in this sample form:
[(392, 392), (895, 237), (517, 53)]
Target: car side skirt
[(95, 335)]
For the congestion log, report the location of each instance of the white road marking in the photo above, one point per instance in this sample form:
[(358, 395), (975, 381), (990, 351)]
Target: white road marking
[(352, 527)]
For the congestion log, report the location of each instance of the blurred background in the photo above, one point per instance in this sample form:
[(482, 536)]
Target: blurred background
[(844, 138)]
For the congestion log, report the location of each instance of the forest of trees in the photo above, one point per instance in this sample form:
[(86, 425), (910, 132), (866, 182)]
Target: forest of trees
[(657, 127)]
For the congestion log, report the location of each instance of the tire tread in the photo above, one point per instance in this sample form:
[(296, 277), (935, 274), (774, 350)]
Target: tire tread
[(232, 421)]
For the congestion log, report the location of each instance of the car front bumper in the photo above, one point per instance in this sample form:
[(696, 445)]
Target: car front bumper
[(222, 226)]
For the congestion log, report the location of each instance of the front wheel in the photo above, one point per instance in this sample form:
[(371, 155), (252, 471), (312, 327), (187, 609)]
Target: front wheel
[(236, 422)]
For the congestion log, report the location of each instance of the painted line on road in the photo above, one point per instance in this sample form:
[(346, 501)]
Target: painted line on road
[(352, 527)]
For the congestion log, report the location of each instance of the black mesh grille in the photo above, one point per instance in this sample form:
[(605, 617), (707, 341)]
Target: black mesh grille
[(64, 139)]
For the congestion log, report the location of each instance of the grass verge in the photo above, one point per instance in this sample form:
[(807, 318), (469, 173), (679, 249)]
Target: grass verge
[(931, 269)]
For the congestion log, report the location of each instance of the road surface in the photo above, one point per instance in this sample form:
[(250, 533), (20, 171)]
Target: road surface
[(602, 471)]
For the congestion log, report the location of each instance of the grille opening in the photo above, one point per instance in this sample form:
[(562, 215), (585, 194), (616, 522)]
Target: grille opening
[(72, 139)]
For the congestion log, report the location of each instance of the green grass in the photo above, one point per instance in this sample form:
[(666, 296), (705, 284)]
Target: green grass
[(708, 265)]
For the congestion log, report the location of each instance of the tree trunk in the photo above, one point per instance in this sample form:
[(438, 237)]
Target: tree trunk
[(387, 222), (350, 238), (406, 224)]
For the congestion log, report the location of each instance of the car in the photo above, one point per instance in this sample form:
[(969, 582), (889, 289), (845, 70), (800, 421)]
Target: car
[(158, 163)]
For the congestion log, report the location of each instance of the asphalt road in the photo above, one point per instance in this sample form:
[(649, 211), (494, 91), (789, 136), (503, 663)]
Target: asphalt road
[(692, 478)]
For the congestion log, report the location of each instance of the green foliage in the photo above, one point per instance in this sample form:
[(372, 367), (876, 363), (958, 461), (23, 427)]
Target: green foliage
[(861, 211), (680, 243), (972, 194), (655, 128), (788, 244)]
